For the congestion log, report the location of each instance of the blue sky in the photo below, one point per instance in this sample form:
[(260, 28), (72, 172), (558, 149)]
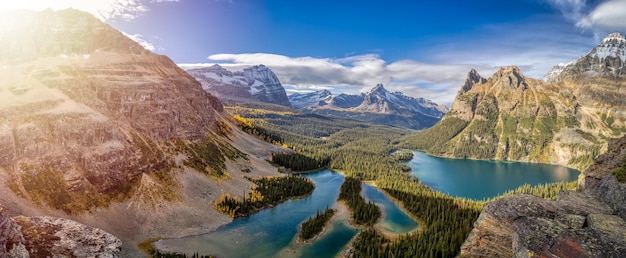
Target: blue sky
[(423, 48)]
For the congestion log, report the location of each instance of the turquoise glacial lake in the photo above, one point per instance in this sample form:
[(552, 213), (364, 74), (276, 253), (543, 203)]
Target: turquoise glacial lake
[(479, 179), (272, 232)]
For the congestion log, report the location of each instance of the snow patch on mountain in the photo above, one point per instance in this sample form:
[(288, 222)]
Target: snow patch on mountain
[(612, 45), (256, 83), (556, 71), (378, 101), (607, 58)]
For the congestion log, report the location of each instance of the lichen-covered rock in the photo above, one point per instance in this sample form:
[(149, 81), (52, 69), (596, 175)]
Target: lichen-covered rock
[(11, 238), (56, 237), (588, 223)]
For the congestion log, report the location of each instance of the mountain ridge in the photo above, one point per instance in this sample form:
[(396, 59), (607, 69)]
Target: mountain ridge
[(607, 59), (508, 116), (377, 105), (255, 83)]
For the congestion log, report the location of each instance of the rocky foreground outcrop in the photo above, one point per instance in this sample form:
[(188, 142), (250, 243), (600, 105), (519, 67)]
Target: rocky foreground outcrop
[(53, 237), (585, 223)]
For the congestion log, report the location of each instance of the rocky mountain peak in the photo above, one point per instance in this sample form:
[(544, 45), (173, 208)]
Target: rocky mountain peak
[(255, 83), (261, 72), (509, 78), (508, 70), (218, 69), (377, 105), (59, 33), (378, 88), (613, 38), (607, 59), (311, 99), (259, 67), (472, 79), (325, 93), (556, 71), (612, 46)]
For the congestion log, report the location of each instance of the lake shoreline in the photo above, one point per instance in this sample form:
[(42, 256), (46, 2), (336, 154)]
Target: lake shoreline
[(379, 225), (480, 180), (495, 160)]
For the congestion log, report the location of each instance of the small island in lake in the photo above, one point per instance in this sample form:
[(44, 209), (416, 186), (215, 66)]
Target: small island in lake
[(314, 225)]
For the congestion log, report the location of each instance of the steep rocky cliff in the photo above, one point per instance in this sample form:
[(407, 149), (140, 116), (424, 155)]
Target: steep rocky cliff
[(97, 129), (256, 83), (565, 121), (89, 117), (585, 223)]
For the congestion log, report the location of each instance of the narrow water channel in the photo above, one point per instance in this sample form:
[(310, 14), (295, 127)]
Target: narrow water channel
[(271, 232)]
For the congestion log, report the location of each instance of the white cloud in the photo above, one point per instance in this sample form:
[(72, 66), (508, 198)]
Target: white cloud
[(601, 18), (143, 42), (609, 15), (357, 74), (571, 9), (103, 9)]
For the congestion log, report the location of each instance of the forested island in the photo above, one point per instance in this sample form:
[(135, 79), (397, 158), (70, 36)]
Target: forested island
[(268, 192), (314, 225), (362, 213)]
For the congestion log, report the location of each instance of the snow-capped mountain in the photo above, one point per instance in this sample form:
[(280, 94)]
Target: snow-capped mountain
[(256, 83), (347, 101), (607, 59), (317, 98), (379, 100), (378, 105), (556, 71)]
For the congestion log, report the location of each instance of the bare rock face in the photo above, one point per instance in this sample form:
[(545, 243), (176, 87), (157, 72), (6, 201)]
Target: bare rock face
[(85, 111), (96, 129), (587, 223), (564, 119), (256, 83), (53, 237), (56, 237), (600, 183), (12, 243)]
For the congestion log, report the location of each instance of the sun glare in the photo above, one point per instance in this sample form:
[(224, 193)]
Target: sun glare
[(100, 8)]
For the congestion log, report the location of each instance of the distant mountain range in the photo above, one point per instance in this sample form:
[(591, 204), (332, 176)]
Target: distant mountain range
[(256, 83), (259, 84), (566, 118), (378, 106)]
